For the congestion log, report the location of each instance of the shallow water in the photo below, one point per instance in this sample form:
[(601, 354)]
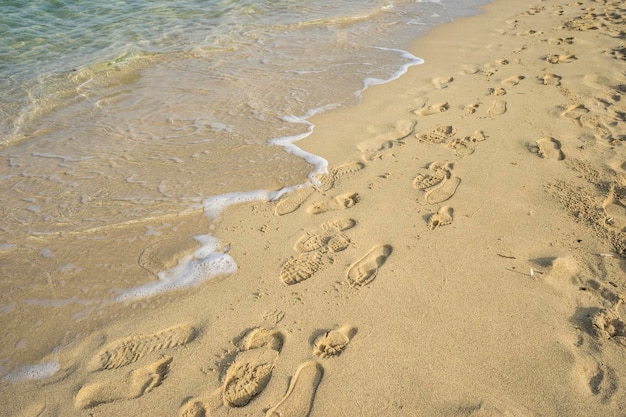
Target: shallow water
[(114, 112), (117, 113)]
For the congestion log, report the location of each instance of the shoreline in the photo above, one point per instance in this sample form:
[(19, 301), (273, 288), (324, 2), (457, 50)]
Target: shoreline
[(461, 258)]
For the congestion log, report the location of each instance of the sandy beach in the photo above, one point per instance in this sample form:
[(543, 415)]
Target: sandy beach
[(465, 255)]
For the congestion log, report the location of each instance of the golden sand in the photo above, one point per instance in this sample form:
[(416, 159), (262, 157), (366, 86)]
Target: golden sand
[(463, 257)]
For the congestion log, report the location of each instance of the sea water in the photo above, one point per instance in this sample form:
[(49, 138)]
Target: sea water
[(117, 111)]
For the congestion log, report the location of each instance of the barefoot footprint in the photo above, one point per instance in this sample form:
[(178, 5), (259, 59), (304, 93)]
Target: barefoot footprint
[(333, 342), (548, 148), (443, 217), (442, 82), (340, 202), (560, 59), (432, 109), (512, 81), (609, 324), (139, 382), (298, 400), (364, 271), (551, 79), (497, 108)]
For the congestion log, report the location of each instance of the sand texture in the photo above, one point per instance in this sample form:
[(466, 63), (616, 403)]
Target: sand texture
[(465, 254)]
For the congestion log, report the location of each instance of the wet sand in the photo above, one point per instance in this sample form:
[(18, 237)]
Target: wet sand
[(464, 256)]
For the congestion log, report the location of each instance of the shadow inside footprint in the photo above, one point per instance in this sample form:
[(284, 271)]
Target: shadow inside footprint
[(363, 271), (298, 400)]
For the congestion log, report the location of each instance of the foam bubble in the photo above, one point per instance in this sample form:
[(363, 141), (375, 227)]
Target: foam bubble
[(412, 60), (206, 262), (33, 372), (214, 205)]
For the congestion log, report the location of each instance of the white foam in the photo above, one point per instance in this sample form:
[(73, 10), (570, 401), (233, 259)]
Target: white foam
[(412, 60), (215, 204), (32, 372), (209, 261)]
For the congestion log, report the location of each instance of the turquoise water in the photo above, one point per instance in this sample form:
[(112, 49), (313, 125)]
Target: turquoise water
[(116, 117), (117, 112), (50, 48)]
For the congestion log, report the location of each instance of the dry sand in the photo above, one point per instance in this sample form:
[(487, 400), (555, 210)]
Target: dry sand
[(464, 256)]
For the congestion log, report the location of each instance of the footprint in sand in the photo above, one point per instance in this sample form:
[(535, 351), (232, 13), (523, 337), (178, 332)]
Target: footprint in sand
[(432, 109), (559, 41), (608, 324), (551, 79), (442, 191), (425, 181), (333, 342), (327, 181), (534, 11), (439, 134), (383, 142), (619, 53), (440, 171), (575, 112), (471, 108), (260, 337), (496, 92), (311, 241), (513, 81), (165, 253), (560, 59), (470, 69), (596, 379), (462, 146), (582, 23), (478, 136), (600, 127), (39, 409), (529, 32), (497, 108), (439, 186), (125, 351), (137, 383), (548, 148), (603, 383), (482, 408), (327, 237), (193, 408), (298, 400), (615, 210), (292, 201), (443, 217), (252, 368), (442, 82), (301, 267), (364, 271), (340, 202)]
